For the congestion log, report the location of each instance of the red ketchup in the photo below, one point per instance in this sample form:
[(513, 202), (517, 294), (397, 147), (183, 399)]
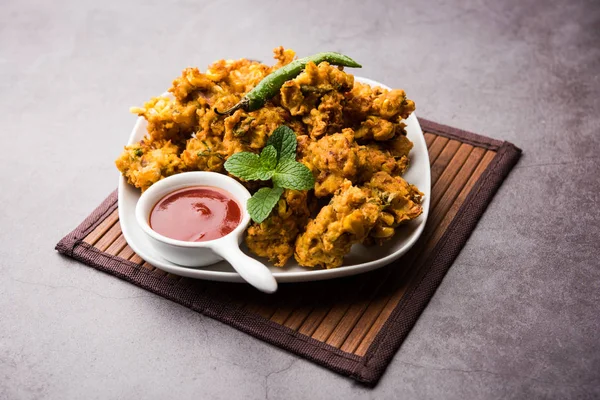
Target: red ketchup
[(196, 214)]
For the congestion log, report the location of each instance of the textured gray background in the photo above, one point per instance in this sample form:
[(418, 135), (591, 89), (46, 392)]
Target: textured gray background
[(517, 316)]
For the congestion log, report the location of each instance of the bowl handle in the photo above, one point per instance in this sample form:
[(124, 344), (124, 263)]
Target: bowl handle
[(252, 271)]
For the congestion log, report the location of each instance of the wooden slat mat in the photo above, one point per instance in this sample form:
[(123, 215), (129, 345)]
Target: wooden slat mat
[(352, 325)]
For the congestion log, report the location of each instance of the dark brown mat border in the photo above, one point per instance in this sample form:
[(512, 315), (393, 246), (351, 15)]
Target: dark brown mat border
[(461, 135), (369, 368)]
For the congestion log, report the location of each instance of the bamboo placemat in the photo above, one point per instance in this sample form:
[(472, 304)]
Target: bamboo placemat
[(352, 325)]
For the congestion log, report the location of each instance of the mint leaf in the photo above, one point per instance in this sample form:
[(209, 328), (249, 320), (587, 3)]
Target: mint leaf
[(250, 166), (244, 165), (291, 174), (268, 162), (284, 140), (262, 202), (268, 158)]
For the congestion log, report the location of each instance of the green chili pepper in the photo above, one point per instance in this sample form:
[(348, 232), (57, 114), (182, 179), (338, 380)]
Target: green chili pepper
[(270, 85)]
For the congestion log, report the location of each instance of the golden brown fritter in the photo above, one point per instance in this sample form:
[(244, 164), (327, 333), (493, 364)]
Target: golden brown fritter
[(346, 220), (373, 158), (193, 83), (327, 117), (350, 135), (283, 57), (224, 77), (144, 164), (400, 146), (358, 103), (317, 95), (401, 202), (392, 104), (375, 128), (364, 100), (237, 76), (296, 102), (337, 157), (250, 131), (203, 155), (168, 119), (332, 159), (274, 238), (304, 142), (300, 94), (209, 122)]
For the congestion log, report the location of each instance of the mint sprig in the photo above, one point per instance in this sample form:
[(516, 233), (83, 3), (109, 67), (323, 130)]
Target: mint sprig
[(277, 161), (262, 202)]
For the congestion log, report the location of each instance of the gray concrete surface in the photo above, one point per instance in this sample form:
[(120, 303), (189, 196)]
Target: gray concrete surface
[(518, 315)]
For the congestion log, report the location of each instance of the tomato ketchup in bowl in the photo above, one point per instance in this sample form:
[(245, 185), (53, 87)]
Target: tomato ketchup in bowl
[(196, 214), (198, 218)]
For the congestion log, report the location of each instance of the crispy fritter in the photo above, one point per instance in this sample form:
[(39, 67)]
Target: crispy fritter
[(364, 100), (373, 158), (274, 238), (401, 202), (337, 157), (193, 83), (203, 155), (358, 103), (168, 119), (224, 77), (368, 214), (283, 57), (332, 159), (376, 128), (250, 131), (400, 146), (317, 95), (144, 164), (392, 104), (346, 220), (327, 118), (301, 94)]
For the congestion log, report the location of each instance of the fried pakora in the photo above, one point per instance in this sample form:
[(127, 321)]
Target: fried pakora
[(364, 100), (400, 203), (346, 220), (350, 135), (317, 95), (368, 214), (332, 159), (146, 163), (274, 238)]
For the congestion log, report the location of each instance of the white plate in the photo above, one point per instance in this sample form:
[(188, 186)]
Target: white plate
[(361, 259)]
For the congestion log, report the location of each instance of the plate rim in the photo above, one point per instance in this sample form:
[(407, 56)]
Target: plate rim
[(282, 277)]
